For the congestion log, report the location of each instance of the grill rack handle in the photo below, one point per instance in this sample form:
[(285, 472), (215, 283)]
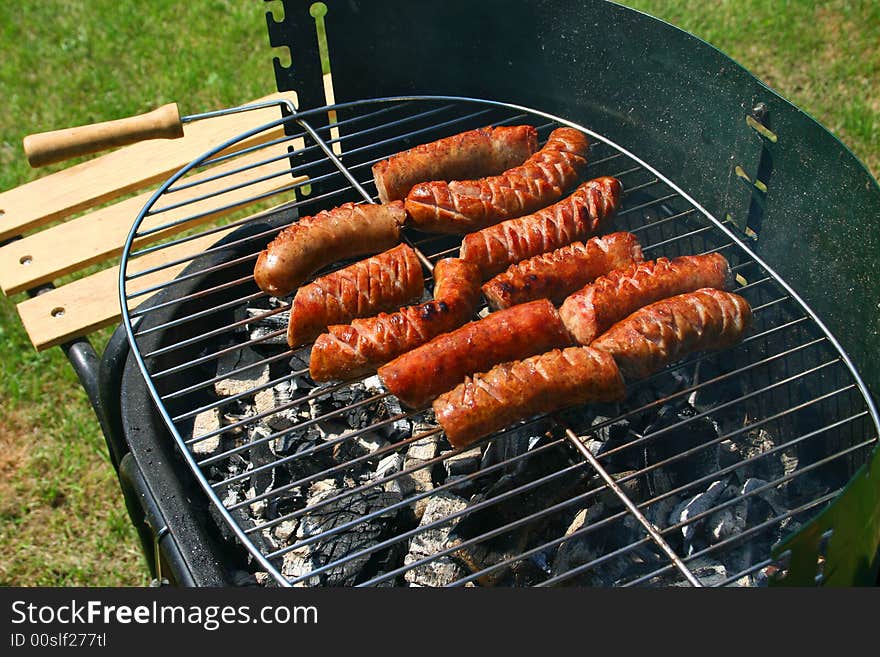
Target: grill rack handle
[(45, 148)]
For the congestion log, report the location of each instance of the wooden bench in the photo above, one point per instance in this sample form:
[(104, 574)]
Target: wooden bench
[(66, 224)]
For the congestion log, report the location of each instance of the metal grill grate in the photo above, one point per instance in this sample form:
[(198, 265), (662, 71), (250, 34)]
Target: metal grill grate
[(691, 480)]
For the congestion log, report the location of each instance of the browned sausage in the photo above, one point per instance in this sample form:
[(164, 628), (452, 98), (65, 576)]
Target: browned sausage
[(307, 245), (472, 154), (381, 282), (466, 205), (356, 349), (666, 331), (515, 391), (577, 217), (557, 274), (592, 310), (420, 375)]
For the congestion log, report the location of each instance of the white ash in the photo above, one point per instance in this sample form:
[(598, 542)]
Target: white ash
[(238, 380), (206, 422), (275, 399), (446, 569)]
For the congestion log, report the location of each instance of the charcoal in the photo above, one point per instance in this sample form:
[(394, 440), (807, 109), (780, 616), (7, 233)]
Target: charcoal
[(694, 434), (361, 445), (244, 381), (634, 488), (580, 549), (538, 498), (260, 326), (613, 434), (752, 444), (206, 422), (398, 429), (443, 570), (513, 443), (389, 465), (729, 521), (305, 559), (708, 572), (694, 505), (463, 463), (263, 578), (273, 398), (262, 480), (420, 480), (285, 529)]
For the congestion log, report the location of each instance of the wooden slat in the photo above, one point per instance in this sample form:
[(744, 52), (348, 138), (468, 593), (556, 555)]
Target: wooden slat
[(68, 247), (112, 175), (91, 303)]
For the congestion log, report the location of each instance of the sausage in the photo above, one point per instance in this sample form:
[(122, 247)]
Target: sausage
[(356, 349), (577, 217), (592, 310), (557, 274), (463, 206), (313, 242), (472, 154), (668, 330), (515, 391), (420, 375), (382, 282)]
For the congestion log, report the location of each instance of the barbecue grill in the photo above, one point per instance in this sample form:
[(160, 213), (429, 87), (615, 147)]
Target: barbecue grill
[(749, 466)]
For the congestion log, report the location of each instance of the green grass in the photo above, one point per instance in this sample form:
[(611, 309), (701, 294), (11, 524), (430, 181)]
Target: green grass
[(71, 62)]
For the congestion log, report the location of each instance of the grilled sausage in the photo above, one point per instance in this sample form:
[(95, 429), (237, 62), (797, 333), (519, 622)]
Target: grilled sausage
[(557, 274), (577, 217), (420, 375), (307, 245), (592, 310), (472, 154), (668, 330), (382, 282), (515, 391), (356, 349), (466, 205)]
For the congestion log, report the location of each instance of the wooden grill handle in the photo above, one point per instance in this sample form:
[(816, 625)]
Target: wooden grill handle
[(58, 145)]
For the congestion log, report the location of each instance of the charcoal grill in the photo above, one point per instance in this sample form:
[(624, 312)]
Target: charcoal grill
[(702, 476)]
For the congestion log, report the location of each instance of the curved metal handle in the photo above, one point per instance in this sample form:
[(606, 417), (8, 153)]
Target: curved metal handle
[(58, 145)]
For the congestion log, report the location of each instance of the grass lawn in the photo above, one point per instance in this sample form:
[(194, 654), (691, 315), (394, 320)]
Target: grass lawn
[(71, 62)]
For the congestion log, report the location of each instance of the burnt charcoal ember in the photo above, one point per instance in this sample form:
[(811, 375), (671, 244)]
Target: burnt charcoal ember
[(582, 549), (262, 480), (657, 388), (463, 463), (207, 422), (277, 397), (692, 506), (261, 325), (421, 479), (708, 572), (237, 380), (513, 443), (400, 428), (693, 434), (388, 465), (729, 521), (284, 530), (442, 570), (751, 445), (358, 446), (534, 500), (302, 561)]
